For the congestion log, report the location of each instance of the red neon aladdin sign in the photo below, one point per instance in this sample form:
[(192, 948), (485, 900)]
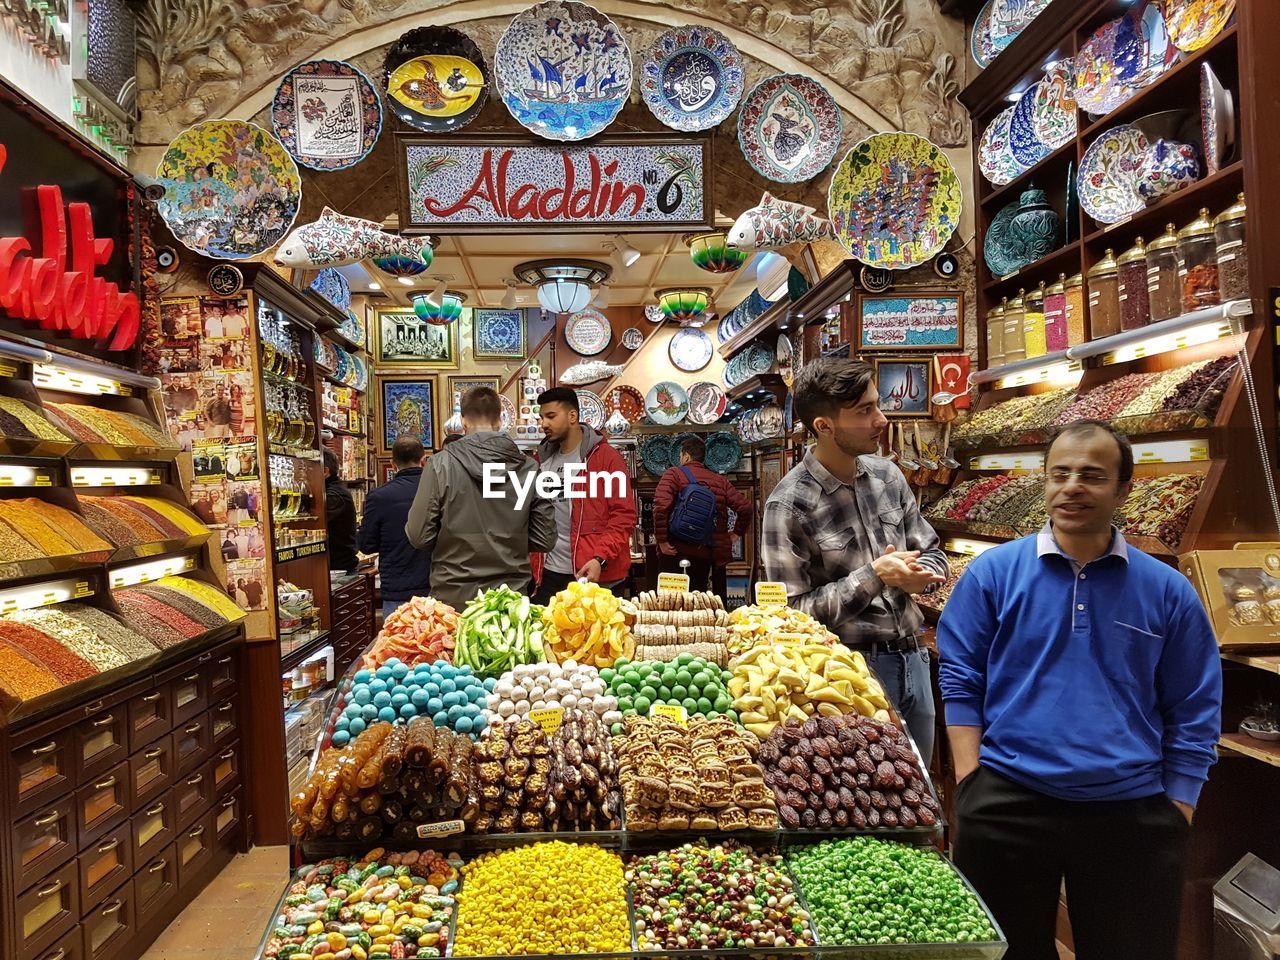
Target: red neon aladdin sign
[(60, 292)]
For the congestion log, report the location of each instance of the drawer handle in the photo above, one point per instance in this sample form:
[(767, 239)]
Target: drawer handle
[(225, 661), (203, 658), (158, 808), (47, 819), (50, 890), (49, 747), (193, 729), (225, 707), (104, 722), (195, 781), (191, 679), (198, 831), (111, 907), (157, 866), (151, 697), (93, 708), (109, 845), (152, 754), (103, 784), (59, 954), (229, 802), (227, 756)]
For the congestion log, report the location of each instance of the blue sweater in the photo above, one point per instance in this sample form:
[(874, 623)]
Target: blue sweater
[(1100, 682), (404, 571)]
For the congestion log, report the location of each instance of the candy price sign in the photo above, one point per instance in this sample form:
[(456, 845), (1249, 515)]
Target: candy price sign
[(640, 183)]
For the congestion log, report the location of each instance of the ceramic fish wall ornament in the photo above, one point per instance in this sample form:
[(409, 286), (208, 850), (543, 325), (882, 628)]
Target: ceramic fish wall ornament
[(335, 240), (589, 372), (776, 223)]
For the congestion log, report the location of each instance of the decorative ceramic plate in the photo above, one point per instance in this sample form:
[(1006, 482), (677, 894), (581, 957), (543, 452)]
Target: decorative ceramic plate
[(591, 409), (627, 400), (436, 79), (706, 402), (231, 189), (633, 338), (788, 415), (692, 78), (1071, 220), (1193, 23), (1217, 119), (785, 353), (653, 313), (724, 452), (1053, 112), (995, 160), (508, 413), (789, 128), (998, 24), (588, 332), (656, 453), (666, 403), (895, 200), (1127, 55), (997, 247), (1109, 174), (1158, 53), (327, 114), (563, 69), (759, 359), (981, 47), (690, 350), (1027, 148), (1099, 88), (676, 441)]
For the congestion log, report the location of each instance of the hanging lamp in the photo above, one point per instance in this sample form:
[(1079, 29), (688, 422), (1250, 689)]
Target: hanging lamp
[(564, 286), (446, 311), (711, 252), (686, 306)]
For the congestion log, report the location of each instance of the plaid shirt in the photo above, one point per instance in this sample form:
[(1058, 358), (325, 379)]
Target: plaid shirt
[(821, 535)]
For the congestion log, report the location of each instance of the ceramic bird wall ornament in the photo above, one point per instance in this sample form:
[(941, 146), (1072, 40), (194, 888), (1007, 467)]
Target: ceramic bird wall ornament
[(335, 240), (776, 223)]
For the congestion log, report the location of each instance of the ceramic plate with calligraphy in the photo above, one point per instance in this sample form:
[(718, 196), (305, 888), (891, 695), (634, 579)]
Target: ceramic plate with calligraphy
[(995, 160), (1027, 148), (436, 79), (706, 402), (1193, 23), (692, 78), (633, 338), (591, 409), (789, 128), (1053, 113), (627, 400), (666, 403), (327, 114), (563, 69), (1217, 119), (588, 332), (231, 189), (895, 200), (690, 350), (1109, 174)]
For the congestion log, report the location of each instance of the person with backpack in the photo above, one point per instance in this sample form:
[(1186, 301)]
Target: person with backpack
[(691, 519)]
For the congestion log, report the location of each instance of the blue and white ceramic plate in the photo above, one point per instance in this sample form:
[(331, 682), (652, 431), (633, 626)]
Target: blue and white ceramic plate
[(690, 350), (563, 69), (692, 78), (1027, 148), (1109, 174), (995, 160), (591, 409)]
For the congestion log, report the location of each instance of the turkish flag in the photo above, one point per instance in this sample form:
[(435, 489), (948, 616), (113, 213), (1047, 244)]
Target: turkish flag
[(953, 376)]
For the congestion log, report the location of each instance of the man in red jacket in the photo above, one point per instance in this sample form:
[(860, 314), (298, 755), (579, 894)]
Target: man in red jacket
[(595, 514), (706, 564)]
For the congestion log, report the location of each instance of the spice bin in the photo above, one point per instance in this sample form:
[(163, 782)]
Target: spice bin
[(1074, 290), (1033, 323), (1199, 263), (1164, 286), (1232, 251), (1015, 344), (1104, 297), (1055, 315), (1135, 309), (995, 336)]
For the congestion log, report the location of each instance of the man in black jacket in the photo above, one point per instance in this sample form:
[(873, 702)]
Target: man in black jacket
[(405, 571), (340, 512)]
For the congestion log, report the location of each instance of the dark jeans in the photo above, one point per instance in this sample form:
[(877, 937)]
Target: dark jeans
[(703, 574), (1122, 861), (909, 688), (552, 583)]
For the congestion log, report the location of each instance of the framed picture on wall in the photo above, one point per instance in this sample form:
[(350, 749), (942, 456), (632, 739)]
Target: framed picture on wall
[(462, 385), (906, 387), (386, 471), (407, 404), (771, 470), (402, 339), (919, 320), (498, 334)]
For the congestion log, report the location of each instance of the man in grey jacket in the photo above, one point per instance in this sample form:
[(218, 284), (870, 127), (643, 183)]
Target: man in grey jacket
[(479, 541)]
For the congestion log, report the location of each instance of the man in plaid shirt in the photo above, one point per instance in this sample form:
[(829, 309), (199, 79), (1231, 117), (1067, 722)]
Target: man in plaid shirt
[(843, 533)]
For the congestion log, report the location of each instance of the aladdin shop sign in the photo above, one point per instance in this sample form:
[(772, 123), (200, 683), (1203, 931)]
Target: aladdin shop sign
[(48, 274), (640, 183)]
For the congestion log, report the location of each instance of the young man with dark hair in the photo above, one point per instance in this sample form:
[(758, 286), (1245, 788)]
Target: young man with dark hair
[(479, 541), (404, 571), (1083, 692), (340, 514), (843, 533), (594, 532), (707, 561)]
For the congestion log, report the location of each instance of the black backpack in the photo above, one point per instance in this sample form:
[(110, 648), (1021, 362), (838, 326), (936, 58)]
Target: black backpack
[(693, 518)]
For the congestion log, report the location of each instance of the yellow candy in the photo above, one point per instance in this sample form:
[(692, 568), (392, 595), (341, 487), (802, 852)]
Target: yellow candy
[(336, 941), (316, 926), (358, 953), (405, 883), (376, 931)]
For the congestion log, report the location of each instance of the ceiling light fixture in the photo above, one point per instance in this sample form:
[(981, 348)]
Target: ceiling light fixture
[(438, 290), (407, 281), (564, 286), (401, 266), (686, 306), (374, 285), (446, 309), (622, 253), (602, 297), (509, 298), (711, 252)]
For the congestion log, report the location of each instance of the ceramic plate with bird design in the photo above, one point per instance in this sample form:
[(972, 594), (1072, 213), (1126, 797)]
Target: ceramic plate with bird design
[(436, 79)]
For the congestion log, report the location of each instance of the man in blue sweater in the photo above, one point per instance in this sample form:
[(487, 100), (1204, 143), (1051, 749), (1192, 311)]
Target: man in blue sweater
[(403, 569), (1082, 689)]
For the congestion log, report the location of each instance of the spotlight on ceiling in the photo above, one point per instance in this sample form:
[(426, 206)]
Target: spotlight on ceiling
[(622, 254), (374, 285), (602, 297), (407, 281), (509, 298)]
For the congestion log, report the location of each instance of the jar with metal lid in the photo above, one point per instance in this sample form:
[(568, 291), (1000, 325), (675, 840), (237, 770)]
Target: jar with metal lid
[(1104, 297), (1135, 309), (1074, 289), (1055, 315), (1199, 263), (1033, 323), (1164, 286), (1015, 342), (995, 336), (1233, 252)]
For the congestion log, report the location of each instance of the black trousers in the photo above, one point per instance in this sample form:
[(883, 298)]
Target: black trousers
[(703, 574), (1122, 861)]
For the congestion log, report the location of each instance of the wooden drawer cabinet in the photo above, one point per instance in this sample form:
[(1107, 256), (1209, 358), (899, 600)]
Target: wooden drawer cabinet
[(46, 911), (222, 676), (151, 772), (192, 742), (228, 813), (102, 803), (154, 827), (43, 768), (109, 926), (193, 795), (225, 722), (104, 864), (195, 848), (156, 881), (101, 741), (226, 767), (68, 948), (190, 696), (150, 716), (44, 840)]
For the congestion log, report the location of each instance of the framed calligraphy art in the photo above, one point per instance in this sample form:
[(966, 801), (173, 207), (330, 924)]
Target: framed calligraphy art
[(906, 386), (919, 320)]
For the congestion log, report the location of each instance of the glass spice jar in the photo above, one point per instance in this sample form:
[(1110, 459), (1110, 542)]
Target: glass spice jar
[(1015, 342), (1135, 309), (1074, 290), (1233, 252), (1199, 268), (1164, 286), (1033, 323), (1104, 297), (1055, 315), (995, 336)]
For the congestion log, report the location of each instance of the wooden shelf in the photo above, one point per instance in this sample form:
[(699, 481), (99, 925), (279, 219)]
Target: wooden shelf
[(1270, 662), (761, 325), (1149, 545), (1013, 189), (1046, 268), (760, 383), (1178, 207), (1268, 751), (294, 657)]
